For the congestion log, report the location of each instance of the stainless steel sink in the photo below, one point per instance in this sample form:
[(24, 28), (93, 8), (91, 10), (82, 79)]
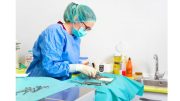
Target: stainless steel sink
[(157, 83)]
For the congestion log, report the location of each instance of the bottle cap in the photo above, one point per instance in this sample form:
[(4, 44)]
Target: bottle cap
[(123, 72)]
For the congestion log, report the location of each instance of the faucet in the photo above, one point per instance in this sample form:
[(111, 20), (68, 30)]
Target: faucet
[(157, 75)]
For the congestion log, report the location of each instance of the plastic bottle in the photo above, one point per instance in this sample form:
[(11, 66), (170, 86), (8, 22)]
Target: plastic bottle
[(120, 55), (117, 64), (129, 68), (28, 58), (123, 65), (17, 53)]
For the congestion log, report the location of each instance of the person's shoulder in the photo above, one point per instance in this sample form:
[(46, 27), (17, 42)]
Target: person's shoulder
[(54, 30), (54, 26)]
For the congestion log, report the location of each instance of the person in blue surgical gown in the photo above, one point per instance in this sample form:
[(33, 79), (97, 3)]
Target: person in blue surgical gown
[(56, 52)]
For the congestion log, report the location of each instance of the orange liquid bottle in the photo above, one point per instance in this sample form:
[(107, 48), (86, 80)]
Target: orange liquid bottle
[(129, 68)]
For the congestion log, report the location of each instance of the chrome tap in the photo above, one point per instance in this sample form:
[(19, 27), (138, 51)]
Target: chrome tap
[(157, 75)]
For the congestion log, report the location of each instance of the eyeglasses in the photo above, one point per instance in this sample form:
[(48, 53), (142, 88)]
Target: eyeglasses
[(87, 28)]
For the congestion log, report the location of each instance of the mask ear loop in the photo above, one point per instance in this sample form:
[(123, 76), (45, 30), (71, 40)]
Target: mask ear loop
[(74, 25), (72, 29)]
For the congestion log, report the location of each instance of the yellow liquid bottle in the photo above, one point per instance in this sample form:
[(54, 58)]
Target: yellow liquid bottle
[(117, 66)]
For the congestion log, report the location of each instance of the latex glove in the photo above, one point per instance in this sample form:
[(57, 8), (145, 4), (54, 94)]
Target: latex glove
[(90, 71)]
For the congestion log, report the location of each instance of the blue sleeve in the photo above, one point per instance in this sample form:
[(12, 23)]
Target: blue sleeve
[(51, 45)]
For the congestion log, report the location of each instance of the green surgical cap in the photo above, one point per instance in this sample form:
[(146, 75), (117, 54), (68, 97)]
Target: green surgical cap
[(79, 13)]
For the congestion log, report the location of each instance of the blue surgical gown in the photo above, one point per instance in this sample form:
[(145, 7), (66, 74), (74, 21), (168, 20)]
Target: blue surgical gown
[(53, 51)]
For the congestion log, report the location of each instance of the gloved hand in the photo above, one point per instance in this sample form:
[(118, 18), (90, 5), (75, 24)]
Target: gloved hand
[(90, 71), (85, 62)]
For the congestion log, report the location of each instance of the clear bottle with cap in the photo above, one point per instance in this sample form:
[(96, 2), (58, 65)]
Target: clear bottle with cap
[(28, 58)]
